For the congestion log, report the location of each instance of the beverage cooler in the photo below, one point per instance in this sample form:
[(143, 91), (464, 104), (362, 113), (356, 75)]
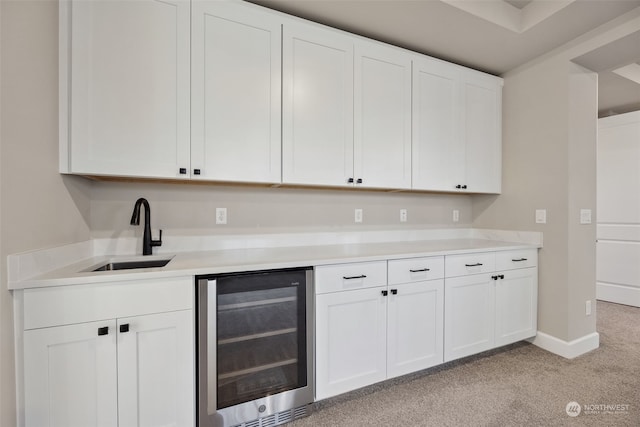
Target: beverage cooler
[(255, 356)]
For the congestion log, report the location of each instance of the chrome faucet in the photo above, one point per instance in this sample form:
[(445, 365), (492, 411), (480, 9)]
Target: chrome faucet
[(147, 241)]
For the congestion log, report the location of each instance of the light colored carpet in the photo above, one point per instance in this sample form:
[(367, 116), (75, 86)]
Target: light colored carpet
[(519, 385)]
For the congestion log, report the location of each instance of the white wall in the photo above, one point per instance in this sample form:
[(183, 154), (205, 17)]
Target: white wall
[(618, 269)]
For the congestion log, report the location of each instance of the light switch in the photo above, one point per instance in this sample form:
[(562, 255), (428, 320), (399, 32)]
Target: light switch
[(541, 216), (585, 216)]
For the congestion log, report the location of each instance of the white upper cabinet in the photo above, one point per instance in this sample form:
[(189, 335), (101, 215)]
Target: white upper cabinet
[(317, 104), (230, 91), (382, 116), (483, 132), (438, 149), (457, 135), (235, 93), (124, 70)]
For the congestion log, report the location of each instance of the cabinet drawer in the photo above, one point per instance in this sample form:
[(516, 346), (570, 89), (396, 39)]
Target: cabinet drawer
[(510, 260), (415, 269), (344, 277), (65, 305), (462, 265)]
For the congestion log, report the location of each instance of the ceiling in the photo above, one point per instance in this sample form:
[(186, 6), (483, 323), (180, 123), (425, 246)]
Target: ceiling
[(494, 36)]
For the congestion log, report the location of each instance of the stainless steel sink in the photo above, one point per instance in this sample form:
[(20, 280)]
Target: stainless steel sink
[(130, 264)]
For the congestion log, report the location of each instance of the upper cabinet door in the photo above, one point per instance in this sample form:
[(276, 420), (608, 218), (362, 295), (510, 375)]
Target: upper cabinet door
[(235, 93), (126, 65), (317, 134), (483, 132), (382, 116), (438, 154)]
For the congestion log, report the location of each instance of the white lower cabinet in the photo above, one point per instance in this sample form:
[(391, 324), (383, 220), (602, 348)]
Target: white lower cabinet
[(469, 315), (71, 376), (130, 370), (488, 310), (351, 340), (516, 305), (414, 327), (379, 330)]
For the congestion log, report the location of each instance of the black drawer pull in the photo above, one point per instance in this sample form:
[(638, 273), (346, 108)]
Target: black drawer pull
[(519, 260), (124, 328), (183, 171), (474, 265), (362, 276), (501, 276), (394, 291), (420, 271), (494, 277), (103, 331), (385, 293)]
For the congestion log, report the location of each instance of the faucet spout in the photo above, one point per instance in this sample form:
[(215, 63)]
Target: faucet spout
[(147, 241)]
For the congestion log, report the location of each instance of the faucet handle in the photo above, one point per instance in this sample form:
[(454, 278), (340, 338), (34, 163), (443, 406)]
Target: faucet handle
[(157, 242)]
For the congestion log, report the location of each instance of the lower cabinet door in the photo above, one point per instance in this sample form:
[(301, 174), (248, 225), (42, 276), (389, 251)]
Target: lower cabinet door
[(350, 340), (156, 370), (516, 305), (70, 376), (415, 325), (469, 319)]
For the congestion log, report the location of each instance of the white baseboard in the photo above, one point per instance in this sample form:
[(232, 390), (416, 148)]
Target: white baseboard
[(620, 294), (568, 350)]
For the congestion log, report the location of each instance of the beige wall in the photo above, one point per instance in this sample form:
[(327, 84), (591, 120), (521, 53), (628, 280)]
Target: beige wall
[(38, 207), (549, 149), (190, 209), (535, 159)]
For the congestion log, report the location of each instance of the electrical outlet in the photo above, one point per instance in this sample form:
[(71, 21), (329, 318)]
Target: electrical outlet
[(585, 216), (221, 215), (403, 215), (456, 215), (587, 308), (541, 216), (358, 215)]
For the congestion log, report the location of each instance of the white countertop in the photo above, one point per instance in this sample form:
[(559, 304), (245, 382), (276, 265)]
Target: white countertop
[(237, 260)]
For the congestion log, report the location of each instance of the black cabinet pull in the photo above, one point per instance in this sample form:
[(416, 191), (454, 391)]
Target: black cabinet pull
[(359, 181), (350, 180), (501, 276), (494, 277), (519, 260), (362, 276), (385, 293), (419, 271), (196, 171), (124, 328), (103, 331), (394, 291), (458, 186), (183, 171), (464, 187), (473, 265)]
